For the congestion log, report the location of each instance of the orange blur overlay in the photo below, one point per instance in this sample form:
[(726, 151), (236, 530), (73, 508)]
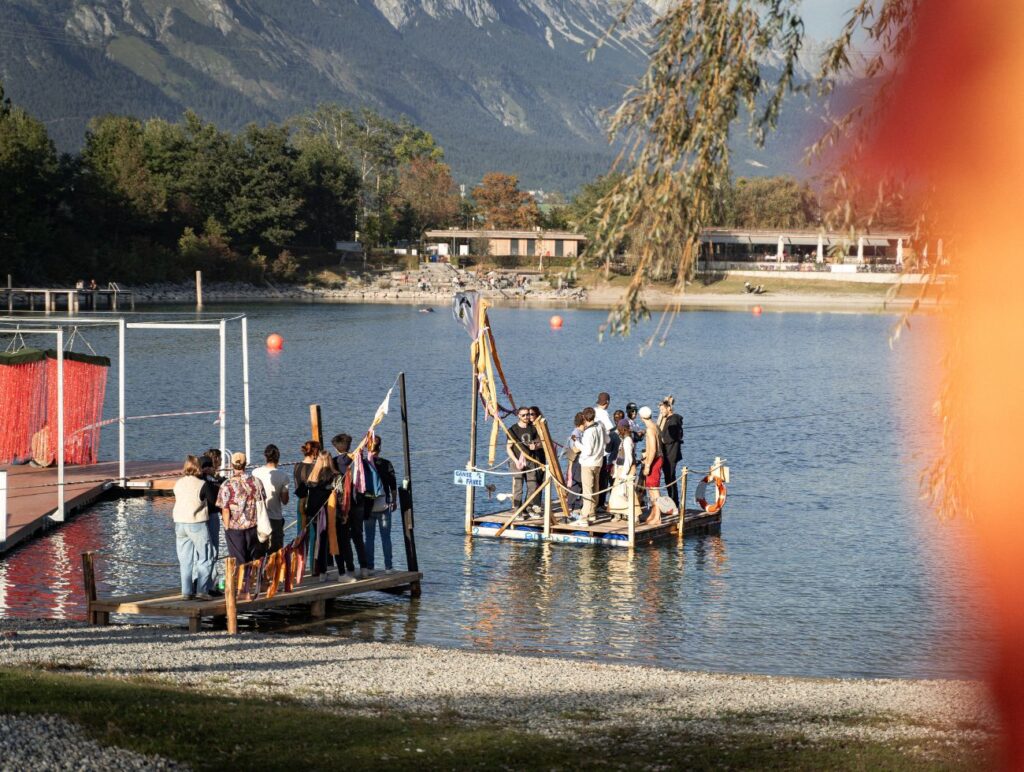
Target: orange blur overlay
[(956, 121)]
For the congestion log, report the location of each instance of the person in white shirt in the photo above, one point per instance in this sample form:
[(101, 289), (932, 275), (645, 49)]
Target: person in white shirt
[(275, 483), (601, 413), (591, 449)]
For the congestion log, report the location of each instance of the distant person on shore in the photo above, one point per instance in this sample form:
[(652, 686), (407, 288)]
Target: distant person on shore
[(651, 469), (237, 501), (379, 504), (275, 483), (591, 447), (350, 527), (622, 501), (670, 427), (93, 285), (192, 539)]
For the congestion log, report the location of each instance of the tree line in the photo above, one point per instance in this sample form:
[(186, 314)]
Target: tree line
[(155, 200)]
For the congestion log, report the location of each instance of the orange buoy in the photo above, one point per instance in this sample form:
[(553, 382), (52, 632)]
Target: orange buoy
[(274, 342), (757, 310), (556, 322)]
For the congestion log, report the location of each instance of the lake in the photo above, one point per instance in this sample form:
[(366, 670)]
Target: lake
[(827, 563)]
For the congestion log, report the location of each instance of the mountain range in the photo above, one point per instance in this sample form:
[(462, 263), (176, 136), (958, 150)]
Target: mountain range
[(503, 85)]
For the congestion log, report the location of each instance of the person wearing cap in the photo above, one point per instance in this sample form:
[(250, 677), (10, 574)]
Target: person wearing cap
[(652, 459), (635, 424), (237, 501), (623, 502)]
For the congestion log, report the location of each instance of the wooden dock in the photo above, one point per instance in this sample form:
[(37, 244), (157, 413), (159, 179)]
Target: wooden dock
[(76, 299), (605, 532), (168, 603), (32, 492)]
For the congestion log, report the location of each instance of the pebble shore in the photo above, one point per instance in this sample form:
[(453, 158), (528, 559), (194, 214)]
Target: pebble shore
[(556, 697), (53, 744)]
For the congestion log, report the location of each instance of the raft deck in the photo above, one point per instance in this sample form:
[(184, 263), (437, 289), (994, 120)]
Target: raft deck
[(606, 532), (168, 603)]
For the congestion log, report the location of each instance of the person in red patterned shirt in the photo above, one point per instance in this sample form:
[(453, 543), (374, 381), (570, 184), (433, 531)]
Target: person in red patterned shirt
[(237, 502)]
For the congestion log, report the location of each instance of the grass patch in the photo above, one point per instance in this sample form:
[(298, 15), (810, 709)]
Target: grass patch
[(218, 732)]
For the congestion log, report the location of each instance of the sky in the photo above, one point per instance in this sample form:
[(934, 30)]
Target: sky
[(824, 18)]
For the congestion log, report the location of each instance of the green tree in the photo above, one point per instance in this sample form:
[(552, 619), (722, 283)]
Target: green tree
[(428, 195), (770, 202), (329, 187), (29, 185), (583, 213), (264, 206), (115, 155), (503, 205)]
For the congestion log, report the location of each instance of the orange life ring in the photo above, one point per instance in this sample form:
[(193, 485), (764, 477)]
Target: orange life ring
[(702, 488)]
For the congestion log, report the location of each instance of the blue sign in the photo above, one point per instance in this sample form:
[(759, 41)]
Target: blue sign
[(465, 477)]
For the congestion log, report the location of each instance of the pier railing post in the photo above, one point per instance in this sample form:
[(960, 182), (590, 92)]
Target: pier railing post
[(89, 580), (230, 592), (633, 516), (405, 493), (316, 432), (470, 490), (3, 508), (682, 501), (547, 501)]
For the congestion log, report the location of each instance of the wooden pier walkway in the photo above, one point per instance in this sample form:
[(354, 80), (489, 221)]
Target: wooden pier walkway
[(168, 603), (75, 299), (32, 492)]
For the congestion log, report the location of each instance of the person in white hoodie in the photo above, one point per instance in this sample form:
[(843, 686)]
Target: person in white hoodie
[(192, 537), (591, 446)]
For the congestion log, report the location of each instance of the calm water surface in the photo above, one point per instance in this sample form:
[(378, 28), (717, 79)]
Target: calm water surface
[(826, 564)]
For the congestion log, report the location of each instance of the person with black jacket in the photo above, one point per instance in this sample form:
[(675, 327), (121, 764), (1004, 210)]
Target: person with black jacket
[(670, 427), (380, 501)]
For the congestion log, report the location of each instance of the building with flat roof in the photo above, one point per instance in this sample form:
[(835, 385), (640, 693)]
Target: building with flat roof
[(509, 243)]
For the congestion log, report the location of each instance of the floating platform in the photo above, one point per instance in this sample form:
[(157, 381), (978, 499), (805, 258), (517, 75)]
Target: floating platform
[(168, 603), (605, 532), (32, 492)]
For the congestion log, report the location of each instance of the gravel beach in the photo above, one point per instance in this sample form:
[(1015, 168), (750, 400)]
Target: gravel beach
[(51, 743), (555, 697)]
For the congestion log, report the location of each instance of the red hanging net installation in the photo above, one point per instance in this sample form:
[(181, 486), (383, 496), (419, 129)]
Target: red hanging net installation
[(22, 402), (85, 385)]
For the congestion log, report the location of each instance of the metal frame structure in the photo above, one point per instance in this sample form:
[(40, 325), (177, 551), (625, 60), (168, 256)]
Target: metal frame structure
[(28, 325)]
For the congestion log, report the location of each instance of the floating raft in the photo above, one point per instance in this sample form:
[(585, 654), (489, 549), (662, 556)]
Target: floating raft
[(605, 532)]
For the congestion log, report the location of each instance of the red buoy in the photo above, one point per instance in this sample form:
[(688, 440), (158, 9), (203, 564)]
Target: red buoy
[(274, 342), (556, 322), (757, 310)]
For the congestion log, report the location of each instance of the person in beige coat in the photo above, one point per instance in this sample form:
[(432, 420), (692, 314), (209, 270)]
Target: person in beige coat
[(191, 535)]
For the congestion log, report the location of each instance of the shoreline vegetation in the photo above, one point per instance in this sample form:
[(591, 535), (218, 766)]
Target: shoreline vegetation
[(398, 705)]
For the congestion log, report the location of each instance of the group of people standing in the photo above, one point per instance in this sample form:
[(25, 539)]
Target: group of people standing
[(251, 508), (615, 459)]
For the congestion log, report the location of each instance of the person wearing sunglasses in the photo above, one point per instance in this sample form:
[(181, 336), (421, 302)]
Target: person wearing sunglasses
[(523, 442)]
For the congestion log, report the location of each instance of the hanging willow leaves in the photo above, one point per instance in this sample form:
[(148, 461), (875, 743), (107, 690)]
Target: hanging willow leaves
[(704, 74)]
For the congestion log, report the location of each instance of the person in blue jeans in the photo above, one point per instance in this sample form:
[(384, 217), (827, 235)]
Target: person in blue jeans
[(379, 504), (191, 535)]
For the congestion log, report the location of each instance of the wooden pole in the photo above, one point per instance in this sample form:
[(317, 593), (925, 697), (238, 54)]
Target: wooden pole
[(518, 512), (552, 463), (470, 490), (199, 290), (316, 429), (230, 601), (405, 492), (633, 516), (89, 579), (682, 501)]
